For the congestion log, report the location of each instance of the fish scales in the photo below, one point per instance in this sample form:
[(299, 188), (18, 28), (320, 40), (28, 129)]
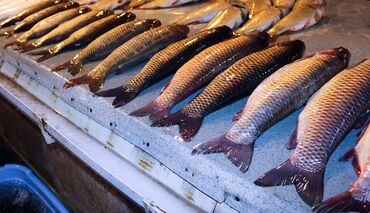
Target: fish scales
[(357, 197), (166, 62), (131, 53), (336, 107), (275, 98), (64, 30), (200, 70), (106, 43), (27, 12), (87, 34)]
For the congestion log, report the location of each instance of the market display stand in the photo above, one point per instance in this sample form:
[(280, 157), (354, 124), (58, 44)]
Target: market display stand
[(153, 166)]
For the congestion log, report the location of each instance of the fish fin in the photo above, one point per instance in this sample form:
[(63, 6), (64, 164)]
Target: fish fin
[(7, 33), (45, 56), (348, 155), (342, 203), (293, 141), (94, 83), (26, 48), (239, 114), (188, 126), (61, 66), (41, 52), (124, 97), (239, 154), (164, 88), (153, 109), (309, 185), (75, 67)]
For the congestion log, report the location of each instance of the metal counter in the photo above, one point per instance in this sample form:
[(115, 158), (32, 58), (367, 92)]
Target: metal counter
[(153, 166)]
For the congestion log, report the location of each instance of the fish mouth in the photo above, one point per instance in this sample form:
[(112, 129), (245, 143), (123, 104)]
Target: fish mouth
[(340, 52)]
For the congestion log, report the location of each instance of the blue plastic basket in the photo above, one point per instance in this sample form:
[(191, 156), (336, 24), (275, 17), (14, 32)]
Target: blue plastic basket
[(13, 176)]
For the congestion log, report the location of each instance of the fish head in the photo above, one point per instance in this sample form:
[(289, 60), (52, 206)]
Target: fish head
[(262, 38), (104, 13), (153, 22), (84, 9), (296, 45), (126, 16), (223, 31), (182, 28), (71, 4), (341, 53)]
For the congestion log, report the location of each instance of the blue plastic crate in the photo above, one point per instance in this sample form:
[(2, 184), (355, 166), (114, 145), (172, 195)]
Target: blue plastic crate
[(22, 191)]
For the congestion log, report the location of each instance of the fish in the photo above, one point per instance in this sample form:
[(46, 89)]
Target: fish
[(31, 20), (66, 29), (205, 14), (131, 53), (328, 116), (28, 11), (84, 36), (298, 19), (275, 98), (287, 4), (232, 17), (166, 62), (165, 3), (137, 3), (108, 4), (14, 8), (106, 43), (256, 6), (46, 25), (303, 3), (238, 80), (262, 21), (200, 70), (357, 198)]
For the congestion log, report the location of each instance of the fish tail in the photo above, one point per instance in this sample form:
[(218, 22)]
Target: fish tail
[(239, 154), (355, 161), (94, 83), (309, 185), (41, 52), (18, 43), (26, 48), (154, 109), (75, 67), (45, 56), (188, 125), (7, 33), (342, 203), (123, 96), (61, 66)]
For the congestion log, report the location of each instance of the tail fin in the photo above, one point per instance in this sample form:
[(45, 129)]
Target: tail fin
[(308, 185), (94, 83), (26, 48), (355, 161), (41, 52), (154, 109), (342, 203), (7, 33), (123, 96), (189, 126), (16, 42), (75, 67), (45, 56), (239, 154), (61, 66)]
